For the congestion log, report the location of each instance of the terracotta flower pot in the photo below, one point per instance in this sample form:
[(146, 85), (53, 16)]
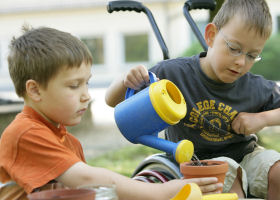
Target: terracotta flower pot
[(63, 194), (212, 168)]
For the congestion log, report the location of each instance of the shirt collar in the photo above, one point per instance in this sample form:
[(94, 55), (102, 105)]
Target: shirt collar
[(59, 131)]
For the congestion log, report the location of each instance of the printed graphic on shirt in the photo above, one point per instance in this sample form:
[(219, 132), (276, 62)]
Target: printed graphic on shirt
[(213, 119)]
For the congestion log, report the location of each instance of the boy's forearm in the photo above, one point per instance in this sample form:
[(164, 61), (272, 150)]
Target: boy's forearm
[(126, 188), (81, 174), (272, 117), (115, 92)]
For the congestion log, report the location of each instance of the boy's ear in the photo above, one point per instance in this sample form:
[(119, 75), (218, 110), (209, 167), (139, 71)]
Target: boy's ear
[(210, 34), (33, 90)]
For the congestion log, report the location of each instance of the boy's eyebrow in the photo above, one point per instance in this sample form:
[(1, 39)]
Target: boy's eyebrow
[(79, 79)]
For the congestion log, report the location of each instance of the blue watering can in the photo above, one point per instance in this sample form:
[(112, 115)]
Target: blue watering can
[(142, 115)]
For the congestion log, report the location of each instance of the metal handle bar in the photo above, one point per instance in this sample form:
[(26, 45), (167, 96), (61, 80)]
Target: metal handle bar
[(125, 6), (139, 7), (197, 4), (201, 4)]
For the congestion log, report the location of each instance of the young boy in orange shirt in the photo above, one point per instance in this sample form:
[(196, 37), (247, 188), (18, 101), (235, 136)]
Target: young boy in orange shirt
[(50, 69), (226, 103)]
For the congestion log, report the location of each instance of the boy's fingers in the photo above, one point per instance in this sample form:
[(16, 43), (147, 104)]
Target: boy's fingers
[(129, 84), (214, 192), (134, 81), (213, 188), (140, 78), (208, 184), (204, 181), (136, 77), (144, 74)]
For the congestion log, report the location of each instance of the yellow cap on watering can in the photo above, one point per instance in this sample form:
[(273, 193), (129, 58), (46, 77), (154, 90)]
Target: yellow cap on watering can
[(192, 191), (168, 101)]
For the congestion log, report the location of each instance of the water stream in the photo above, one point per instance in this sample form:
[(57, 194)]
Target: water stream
[(196, 160)]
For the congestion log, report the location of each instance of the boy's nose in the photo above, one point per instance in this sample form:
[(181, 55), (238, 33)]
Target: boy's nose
[(241, 60), (85, 96)]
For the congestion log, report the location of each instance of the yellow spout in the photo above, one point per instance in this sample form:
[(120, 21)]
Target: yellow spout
[(184, 151)]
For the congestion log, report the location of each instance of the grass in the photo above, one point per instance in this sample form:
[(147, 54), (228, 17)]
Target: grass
[(124, 160), (270, 138)]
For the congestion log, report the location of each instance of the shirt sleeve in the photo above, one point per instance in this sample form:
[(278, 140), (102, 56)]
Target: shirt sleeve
[(271, 92), (41, 156)]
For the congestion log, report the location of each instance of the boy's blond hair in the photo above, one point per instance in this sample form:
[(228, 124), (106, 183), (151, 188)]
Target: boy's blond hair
[(255, 13), (40, 53)]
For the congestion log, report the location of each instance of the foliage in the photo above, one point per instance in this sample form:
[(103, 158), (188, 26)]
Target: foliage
[(217, 8), (269, 138), (194, 49), (124, 160), (269, 65)]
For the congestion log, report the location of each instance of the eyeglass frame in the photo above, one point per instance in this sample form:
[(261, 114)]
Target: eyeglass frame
[(238, 52)]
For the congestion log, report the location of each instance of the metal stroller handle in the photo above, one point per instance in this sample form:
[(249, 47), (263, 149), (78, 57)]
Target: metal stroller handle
[(125, 6), (197, 4), (201, 4)]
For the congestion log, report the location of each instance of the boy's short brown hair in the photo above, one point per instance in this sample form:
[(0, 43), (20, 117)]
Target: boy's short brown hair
[(40, 53), (256, 15)]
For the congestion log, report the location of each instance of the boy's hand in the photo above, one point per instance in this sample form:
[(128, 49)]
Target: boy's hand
[(248, 123), (136, 77), (207, 185)]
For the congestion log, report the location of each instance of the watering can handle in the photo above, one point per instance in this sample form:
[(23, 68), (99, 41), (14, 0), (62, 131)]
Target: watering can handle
[(130, 91)]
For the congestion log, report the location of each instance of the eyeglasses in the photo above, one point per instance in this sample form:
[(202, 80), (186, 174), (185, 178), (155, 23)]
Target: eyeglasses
[(237, 51)]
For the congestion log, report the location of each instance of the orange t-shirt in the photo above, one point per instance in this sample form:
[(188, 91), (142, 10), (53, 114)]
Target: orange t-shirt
[(34, 152)]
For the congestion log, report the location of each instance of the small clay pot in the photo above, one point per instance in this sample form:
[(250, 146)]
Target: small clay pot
[(63, 194), (211, 168)]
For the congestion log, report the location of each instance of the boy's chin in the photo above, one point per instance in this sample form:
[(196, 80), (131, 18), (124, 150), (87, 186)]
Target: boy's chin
[(72, 123), (228, 82), (232, 80)]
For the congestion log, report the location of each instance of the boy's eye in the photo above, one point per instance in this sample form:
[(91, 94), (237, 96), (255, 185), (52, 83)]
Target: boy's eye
[(74, 86), (234, 50), (254, 56)]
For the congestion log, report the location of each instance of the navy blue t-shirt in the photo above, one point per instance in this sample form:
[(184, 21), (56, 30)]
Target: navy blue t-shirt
[(212, 106)]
